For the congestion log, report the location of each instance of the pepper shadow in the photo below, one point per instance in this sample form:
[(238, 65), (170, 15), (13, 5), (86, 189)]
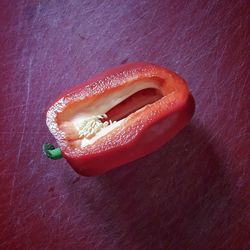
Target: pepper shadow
[(175, 198)]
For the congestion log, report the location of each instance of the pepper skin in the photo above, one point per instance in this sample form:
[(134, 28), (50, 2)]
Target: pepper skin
[(151, 104)]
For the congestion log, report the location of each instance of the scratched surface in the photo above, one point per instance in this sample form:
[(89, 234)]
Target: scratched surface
[(194, 193)]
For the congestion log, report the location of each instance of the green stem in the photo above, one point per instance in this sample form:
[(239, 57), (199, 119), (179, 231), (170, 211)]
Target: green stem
[(52, 152)]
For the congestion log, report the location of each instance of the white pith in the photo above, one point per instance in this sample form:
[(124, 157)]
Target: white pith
[(105, 130)]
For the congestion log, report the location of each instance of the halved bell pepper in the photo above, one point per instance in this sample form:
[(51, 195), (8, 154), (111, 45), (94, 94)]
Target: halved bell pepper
[(118, 116)]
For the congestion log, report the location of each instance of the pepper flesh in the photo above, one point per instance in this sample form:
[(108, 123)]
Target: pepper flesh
[(150, 103)]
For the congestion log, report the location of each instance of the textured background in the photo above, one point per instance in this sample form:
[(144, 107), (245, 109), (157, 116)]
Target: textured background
[(194, 193)]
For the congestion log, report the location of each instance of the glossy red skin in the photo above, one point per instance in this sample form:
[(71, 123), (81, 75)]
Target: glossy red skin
[(144, 132)]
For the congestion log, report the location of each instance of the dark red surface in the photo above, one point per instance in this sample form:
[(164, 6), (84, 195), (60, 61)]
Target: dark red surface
[(194, 193)]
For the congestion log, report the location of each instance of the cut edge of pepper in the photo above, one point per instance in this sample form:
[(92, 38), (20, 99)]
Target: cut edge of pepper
[(61, 140)]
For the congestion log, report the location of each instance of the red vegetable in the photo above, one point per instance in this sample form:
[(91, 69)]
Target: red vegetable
[(147, 106)]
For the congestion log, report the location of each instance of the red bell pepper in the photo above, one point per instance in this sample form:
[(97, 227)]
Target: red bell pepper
[(118, 117)]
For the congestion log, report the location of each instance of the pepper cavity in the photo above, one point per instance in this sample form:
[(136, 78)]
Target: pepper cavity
[(84, 125)]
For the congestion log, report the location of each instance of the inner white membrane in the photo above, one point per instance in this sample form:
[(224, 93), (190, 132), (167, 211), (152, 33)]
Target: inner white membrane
[(90, 122)]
